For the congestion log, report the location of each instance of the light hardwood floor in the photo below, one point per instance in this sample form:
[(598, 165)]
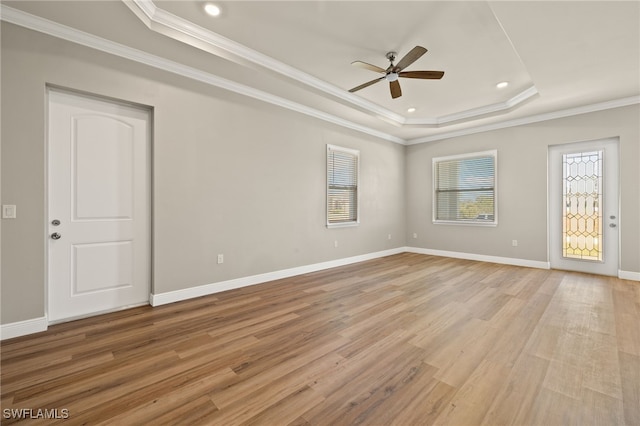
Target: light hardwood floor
[(403, 340)]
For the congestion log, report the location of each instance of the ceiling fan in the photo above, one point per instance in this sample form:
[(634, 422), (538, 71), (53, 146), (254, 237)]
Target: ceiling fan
[(392, 72)]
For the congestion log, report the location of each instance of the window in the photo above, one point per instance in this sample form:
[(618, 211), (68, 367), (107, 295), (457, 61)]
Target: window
[(464, 189), (582, 197), (342, 186)]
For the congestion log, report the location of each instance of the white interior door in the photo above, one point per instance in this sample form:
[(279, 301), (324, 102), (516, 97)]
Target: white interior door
[(583, 207), (99, 206)]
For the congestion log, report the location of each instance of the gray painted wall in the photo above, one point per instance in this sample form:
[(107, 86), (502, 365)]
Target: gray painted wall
[(240, 177), (522, 186), (231, 175)]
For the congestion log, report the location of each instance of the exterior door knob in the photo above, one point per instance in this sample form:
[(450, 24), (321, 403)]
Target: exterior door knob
[(56, 236)]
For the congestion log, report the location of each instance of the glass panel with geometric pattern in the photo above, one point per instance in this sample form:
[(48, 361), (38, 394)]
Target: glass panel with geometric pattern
[(582, 199)]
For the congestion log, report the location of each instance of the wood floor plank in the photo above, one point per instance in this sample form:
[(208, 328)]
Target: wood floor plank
[(27, 378), (287, 410), (88, 382), (247, 401), (474, 397), (356, 364), (404, 393), (600, 409), (429, 401), (543, 340), (601, 366), (195, 412), (161, 398), (514, 402), (253, 382), (630, 379), (552, 408), (373, 385), (465, 353), (407, 339), (516, 332), (626, 308)]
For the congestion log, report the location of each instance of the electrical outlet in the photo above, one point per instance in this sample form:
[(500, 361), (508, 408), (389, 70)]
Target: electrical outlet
[(335, 243), (389, 237), (415, 235), (220, 258), (514, 243)]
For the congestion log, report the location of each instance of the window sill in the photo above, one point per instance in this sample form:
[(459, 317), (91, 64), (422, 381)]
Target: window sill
[(342, 225), (464, 223)]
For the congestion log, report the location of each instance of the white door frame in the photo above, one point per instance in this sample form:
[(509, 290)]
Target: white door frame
[(149, 172), (611, 207)]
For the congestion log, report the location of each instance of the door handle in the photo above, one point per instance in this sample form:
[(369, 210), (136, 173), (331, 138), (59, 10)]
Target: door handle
[(56, 236)]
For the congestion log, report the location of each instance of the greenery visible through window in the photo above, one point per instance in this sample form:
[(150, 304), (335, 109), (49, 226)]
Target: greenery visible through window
[(465, 188), (342, 186)]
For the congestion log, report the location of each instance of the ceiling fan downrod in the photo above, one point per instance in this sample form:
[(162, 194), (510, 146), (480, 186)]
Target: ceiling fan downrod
[(391, 56)]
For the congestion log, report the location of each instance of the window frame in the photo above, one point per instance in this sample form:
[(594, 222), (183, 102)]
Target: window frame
[(465, 222), (355, 153)]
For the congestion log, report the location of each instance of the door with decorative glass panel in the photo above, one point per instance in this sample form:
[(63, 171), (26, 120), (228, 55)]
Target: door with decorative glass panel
[(583, 207)]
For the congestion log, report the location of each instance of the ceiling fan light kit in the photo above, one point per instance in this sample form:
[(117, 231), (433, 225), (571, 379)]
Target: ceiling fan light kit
[(392, 72), (392, 76)]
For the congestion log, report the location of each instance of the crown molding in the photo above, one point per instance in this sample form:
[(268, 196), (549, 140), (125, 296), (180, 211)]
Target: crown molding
[(616, 103), (491, 109), (73, 35), (170, 25), (476, 112)]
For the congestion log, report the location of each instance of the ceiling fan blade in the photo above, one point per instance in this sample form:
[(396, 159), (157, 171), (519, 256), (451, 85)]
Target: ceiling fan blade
[(367, 66), (410, 58), (396, 92), (367, 84), (428, 75)]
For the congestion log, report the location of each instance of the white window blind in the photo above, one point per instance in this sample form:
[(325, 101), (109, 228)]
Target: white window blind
[(342, 186), (465, 188)]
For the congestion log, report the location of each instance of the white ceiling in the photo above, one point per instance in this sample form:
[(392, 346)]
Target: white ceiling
[(559, 57)]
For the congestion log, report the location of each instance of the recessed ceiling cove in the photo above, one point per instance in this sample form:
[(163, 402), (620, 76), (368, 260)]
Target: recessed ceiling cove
[(559, 58), (311, 42)]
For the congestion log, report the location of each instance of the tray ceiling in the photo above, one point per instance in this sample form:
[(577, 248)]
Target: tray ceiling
[(558, 57)]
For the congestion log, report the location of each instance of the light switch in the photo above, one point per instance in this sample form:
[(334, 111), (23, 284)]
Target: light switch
[(8, 211)]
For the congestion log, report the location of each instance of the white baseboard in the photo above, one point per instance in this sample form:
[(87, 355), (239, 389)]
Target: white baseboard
[(481, 258), (22, 328), (36, 325), (206, 289), (628, 275)]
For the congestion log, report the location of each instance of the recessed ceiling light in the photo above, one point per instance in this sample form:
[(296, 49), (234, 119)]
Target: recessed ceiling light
[(412, 109), (502, 84), (212, 9)]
